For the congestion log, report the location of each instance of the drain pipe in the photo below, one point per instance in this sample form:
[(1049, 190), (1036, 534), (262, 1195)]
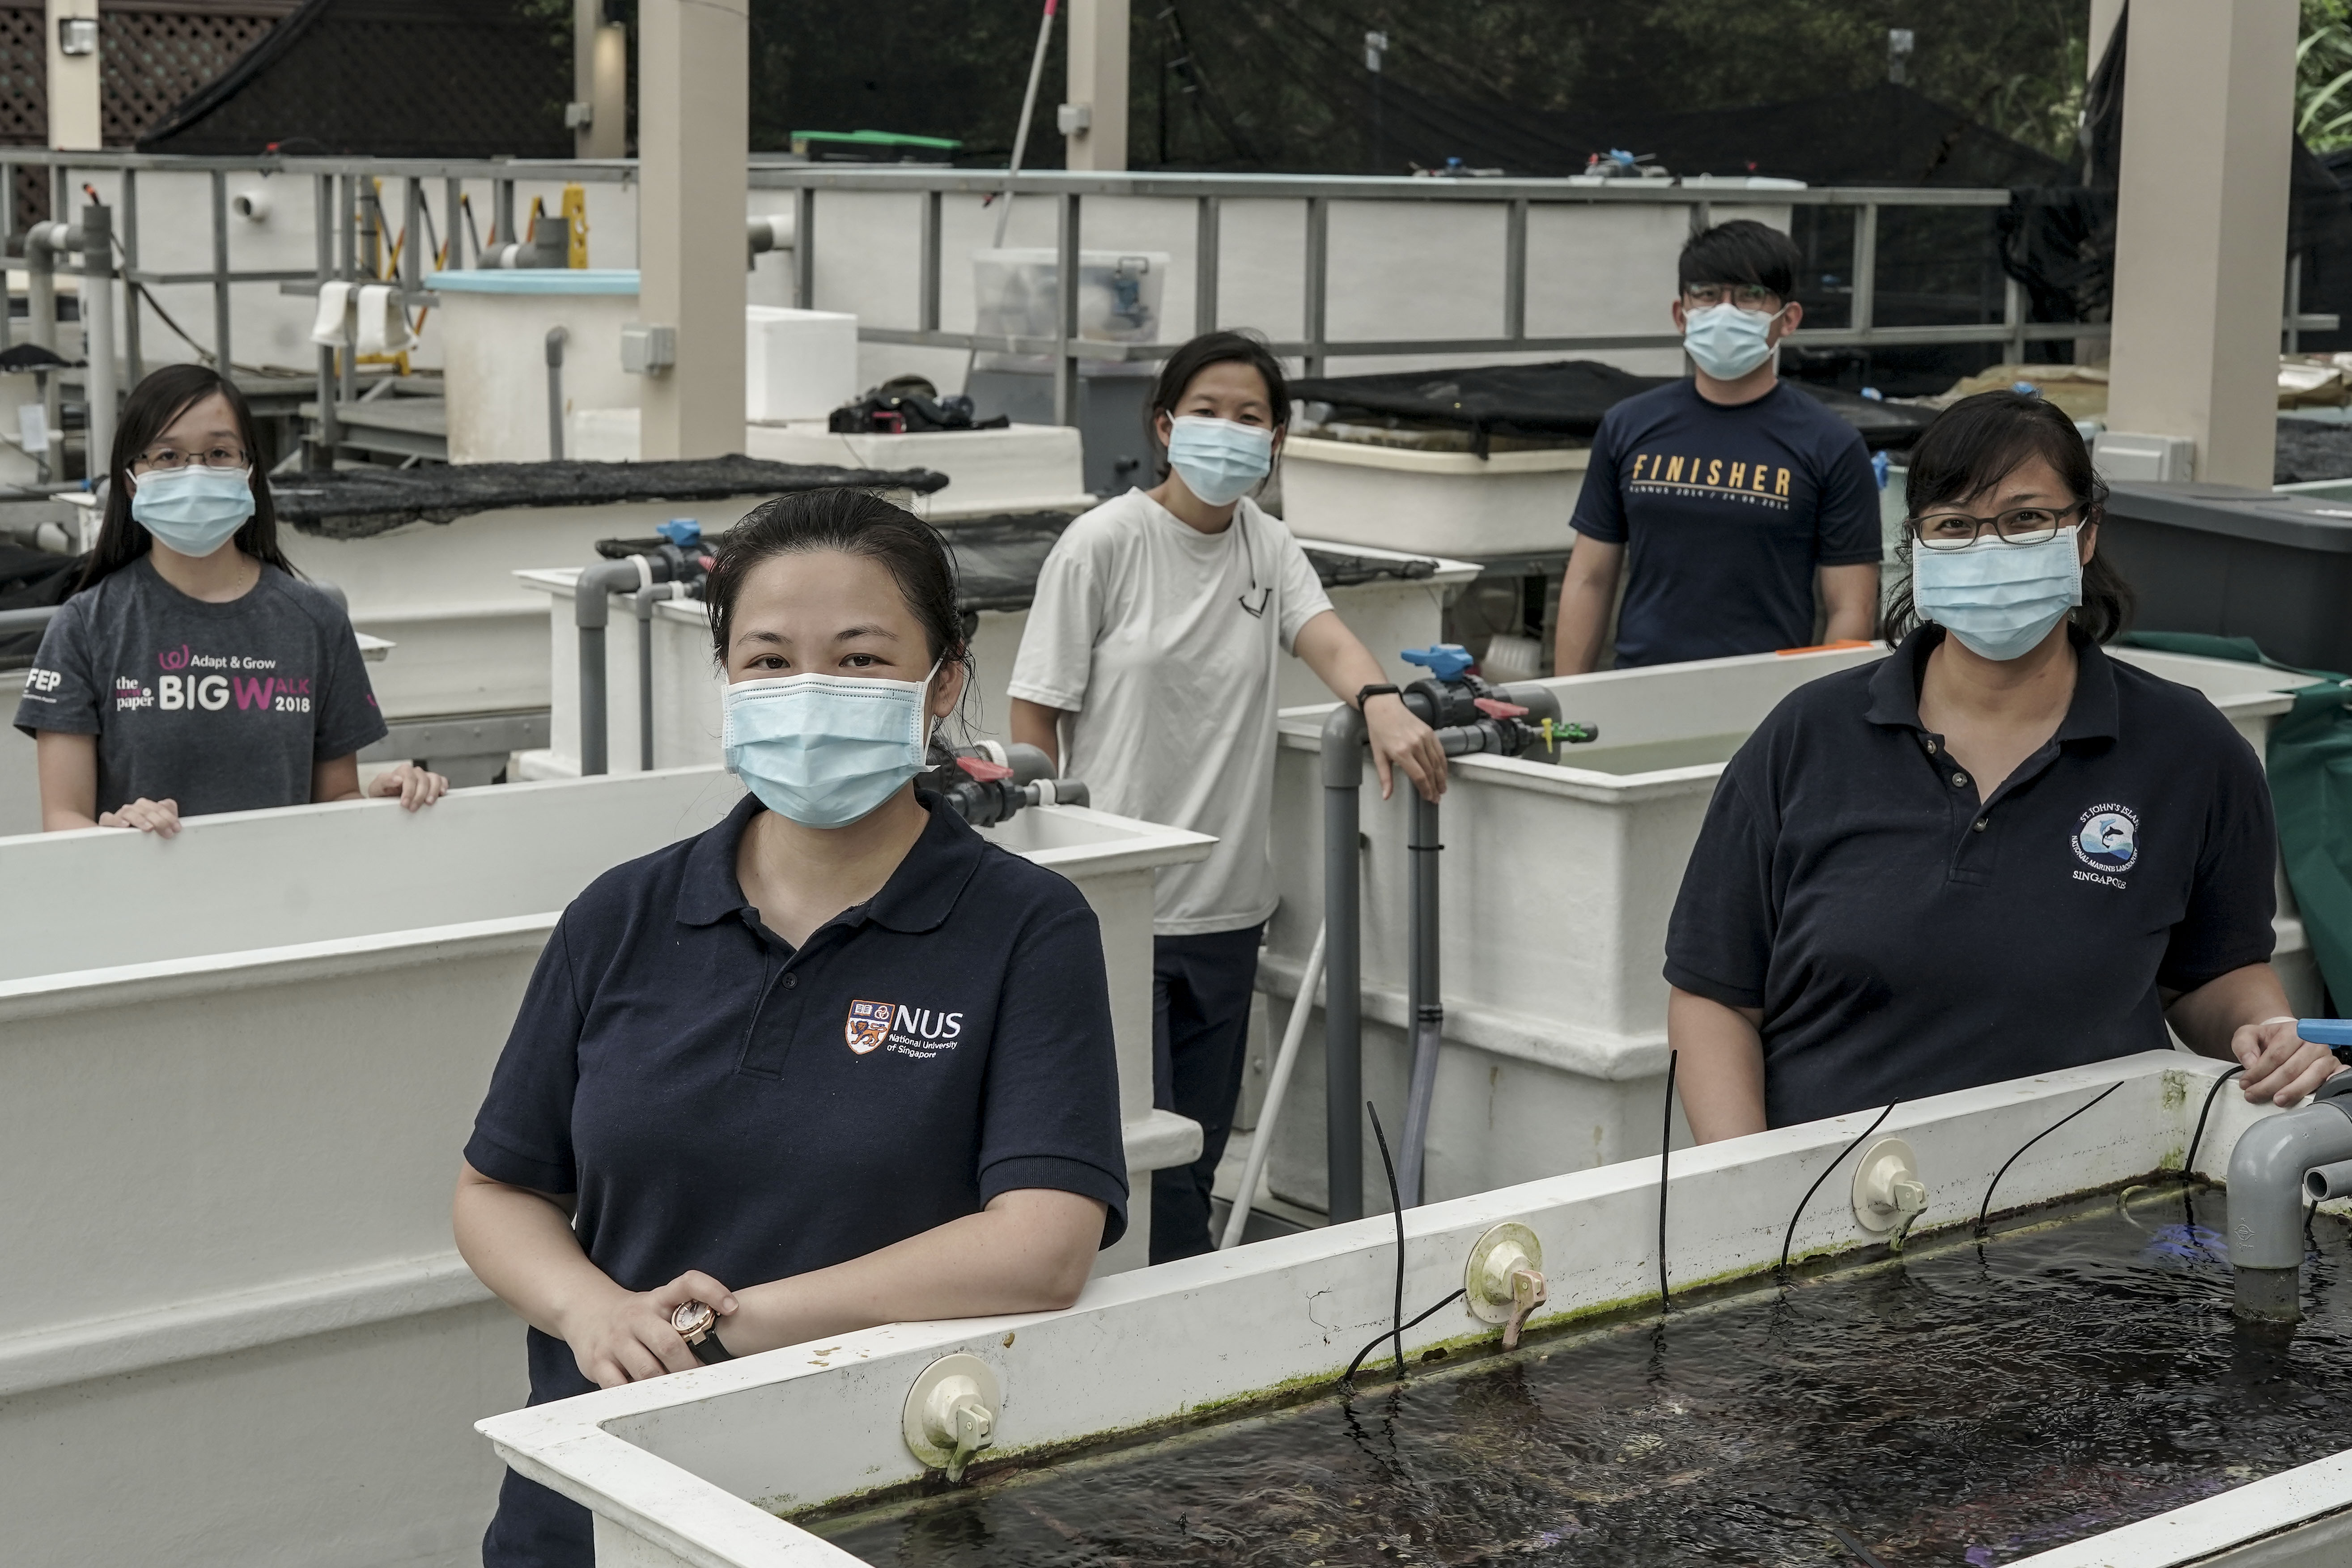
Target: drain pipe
[(589, 613), (1343, 964), (1424, 1008), (555, 336), (97, 240), (2269, 1169)]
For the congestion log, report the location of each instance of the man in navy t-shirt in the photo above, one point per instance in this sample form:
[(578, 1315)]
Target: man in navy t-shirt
[(1721, 497)]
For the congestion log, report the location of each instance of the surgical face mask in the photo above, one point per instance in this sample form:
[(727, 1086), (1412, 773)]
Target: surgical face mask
[(1726, 342), (823, 749), (1999, 599), (195, 510), (1218, 459)]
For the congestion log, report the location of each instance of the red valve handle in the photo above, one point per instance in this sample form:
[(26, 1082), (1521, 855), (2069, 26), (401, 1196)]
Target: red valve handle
[(983, 770), (1493, 707)]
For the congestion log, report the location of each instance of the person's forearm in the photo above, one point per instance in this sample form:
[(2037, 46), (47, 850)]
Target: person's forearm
[(522, 1246), (1029, 1252), (1338, 657), (1720, 1073), (2207, 1017), (1034, 724), (1850, 595)]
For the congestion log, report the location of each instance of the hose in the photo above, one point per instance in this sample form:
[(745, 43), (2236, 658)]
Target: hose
[(2029, 1142), (1270, 1114)]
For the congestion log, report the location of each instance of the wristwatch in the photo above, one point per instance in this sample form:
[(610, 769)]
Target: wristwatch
[(1369, 692), (698, 1325)]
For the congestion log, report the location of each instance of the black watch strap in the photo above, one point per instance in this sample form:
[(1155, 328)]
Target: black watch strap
[(1369, 692), (707, 1349)]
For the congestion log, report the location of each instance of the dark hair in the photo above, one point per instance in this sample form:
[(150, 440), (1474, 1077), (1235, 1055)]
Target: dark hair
[(1973, 445), (855, 522), (147, 413), (1740, 251), (1178, 371)]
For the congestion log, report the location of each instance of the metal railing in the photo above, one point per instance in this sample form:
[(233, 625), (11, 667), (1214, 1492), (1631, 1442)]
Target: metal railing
[(352, 235)]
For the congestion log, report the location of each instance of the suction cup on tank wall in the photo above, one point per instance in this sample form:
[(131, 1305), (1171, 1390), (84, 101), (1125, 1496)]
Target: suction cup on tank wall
[(1503, 1280), (1886, 1186), (950, 1412)]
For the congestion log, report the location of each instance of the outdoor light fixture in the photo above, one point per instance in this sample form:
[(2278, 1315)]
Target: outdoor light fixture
[(77, 34)]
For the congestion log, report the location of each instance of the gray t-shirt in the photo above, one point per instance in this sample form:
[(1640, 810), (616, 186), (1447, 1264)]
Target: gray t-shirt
[(219, 707)]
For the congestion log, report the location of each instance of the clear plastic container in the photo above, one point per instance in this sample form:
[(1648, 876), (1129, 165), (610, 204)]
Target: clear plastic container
[(1013, 295)]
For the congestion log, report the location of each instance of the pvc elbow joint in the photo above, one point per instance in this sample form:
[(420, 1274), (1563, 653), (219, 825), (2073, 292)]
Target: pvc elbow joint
[(2268, 1170)]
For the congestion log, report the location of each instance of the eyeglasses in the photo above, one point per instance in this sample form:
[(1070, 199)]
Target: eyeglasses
[(1957, 530), (1747, 296), (163, 459)]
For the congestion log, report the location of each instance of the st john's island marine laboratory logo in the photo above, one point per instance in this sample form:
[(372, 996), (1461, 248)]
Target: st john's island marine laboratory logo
[(2108, 840), (909, 1031)]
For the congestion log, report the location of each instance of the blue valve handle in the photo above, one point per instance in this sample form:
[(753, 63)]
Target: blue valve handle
[(2336, 1033), (683, 531), (1446, 660)]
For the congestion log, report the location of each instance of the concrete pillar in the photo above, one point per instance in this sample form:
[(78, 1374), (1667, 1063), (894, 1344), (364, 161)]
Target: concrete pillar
[(693, 140), (2201, 229), (74, 121), (1094, 120), (2104, 15), (599, 115)]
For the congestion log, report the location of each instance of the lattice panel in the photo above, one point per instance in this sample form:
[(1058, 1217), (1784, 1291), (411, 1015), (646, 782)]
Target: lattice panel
[(23, 78), (150, 61)]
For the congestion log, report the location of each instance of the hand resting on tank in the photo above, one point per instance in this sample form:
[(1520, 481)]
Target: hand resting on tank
[(413, 786), (2243, 1016), (2281, 1066), (160, 817), (625, 1336)]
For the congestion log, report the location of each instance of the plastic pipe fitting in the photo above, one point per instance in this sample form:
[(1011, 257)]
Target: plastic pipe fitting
[(2266, 1186)]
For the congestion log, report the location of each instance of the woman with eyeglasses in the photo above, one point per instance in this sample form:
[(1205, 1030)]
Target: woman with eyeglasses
[(1153, 639), (1994, 853), (193, 671)]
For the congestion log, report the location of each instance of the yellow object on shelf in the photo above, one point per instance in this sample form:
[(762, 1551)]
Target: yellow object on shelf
[(575, 226)]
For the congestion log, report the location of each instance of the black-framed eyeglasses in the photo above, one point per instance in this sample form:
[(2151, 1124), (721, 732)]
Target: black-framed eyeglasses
[(1747, 296), (2020, 525), (163, 459)]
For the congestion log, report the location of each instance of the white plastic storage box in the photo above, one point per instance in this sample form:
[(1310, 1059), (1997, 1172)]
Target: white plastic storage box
[(1455, 504), (797, 365), (493, 335)]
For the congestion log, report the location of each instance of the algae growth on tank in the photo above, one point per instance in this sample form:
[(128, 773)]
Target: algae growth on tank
[(1963, 1405)]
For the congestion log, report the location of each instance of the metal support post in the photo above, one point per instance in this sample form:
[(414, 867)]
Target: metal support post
[(1319, 279), (502, 207), (322, 454), (133, 361), (348, 223), (452, 223), (98, 339), (2012, 316), (1066, 309), (1863, 312), (2294, 339), (412, 239), (1515, 271), (928, 304), (804, 249), (1206, 245), (222, 352)]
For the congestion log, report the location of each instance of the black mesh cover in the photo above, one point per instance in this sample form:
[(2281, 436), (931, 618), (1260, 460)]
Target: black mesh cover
[(2312, 449), (997, 560), (351, 504), (1563, 399)]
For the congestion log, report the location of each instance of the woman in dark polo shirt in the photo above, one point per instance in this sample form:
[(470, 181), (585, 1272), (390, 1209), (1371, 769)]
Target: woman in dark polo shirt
[(1994, 853), (836, 1062)]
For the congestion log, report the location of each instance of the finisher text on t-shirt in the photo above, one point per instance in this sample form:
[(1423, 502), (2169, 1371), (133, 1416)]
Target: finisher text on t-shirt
[(1725, 513)]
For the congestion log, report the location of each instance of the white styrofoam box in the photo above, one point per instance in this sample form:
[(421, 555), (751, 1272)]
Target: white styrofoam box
[(694, 1469), (1556, 886), (1021, 467), (493, 327), (1433, 504), (797, 365)]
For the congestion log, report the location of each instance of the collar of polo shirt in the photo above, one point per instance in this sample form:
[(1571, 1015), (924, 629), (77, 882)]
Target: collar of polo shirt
[(918, 897), (2090, 716)]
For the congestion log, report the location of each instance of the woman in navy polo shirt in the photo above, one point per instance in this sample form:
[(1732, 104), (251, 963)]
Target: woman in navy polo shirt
[(1996, 852), (836, 1062)]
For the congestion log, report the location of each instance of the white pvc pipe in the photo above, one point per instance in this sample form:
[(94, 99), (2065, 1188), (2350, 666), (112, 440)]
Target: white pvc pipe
[(1261, 1139)]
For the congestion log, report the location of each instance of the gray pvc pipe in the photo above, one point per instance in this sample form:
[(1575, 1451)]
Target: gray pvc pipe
[(555, 336), (1343, 1019), (645, 596), (589, 615), (2325, 1182), (98, 338), (2266, 1194), (1422, 1000)]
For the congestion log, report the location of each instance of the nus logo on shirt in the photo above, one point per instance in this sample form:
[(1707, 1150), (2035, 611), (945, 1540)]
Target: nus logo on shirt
[(1728, 478), (917, 1032)]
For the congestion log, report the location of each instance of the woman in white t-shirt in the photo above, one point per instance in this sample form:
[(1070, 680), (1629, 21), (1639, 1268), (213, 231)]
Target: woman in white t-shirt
[(1154, 632)]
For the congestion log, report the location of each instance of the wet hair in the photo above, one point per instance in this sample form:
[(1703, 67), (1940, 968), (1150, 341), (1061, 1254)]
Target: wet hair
[(147, 413), (1972, 446), (855, 522), (1740, 251), (1178, 372)]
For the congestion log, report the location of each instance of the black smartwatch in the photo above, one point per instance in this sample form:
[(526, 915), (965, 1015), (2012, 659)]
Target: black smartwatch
[(698, 1324), (1369, 692)]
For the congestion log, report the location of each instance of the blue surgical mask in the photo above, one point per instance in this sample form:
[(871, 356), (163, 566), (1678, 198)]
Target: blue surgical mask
[(1726, 342), (822, 749), (195, 510), (1999, 599), (1218, 459)]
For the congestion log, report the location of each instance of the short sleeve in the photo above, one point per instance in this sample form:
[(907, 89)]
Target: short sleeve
[(523, 1134), (347, 717), (1058, 644), (1301, 590), (1600, 503), (1049, 1117), (1719, 940), (2227, 924), (61, 690), (1846, 532)]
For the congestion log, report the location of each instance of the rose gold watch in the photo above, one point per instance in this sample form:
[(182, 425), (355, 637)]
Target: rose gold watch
[(698, 1324)]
